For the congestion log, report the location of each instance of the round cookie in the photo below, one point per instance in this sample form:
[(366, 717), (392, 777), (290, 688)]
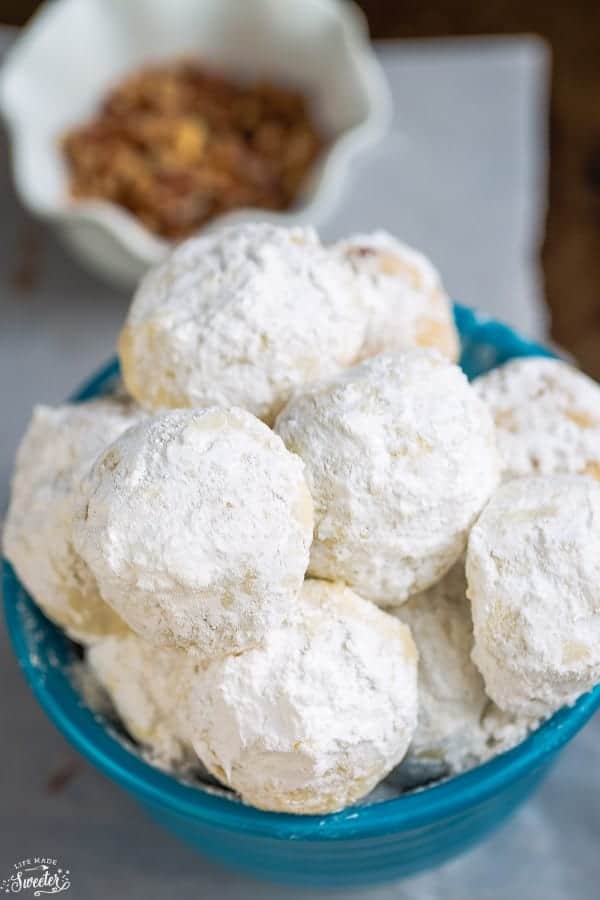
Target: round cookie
[(197, 526), (57, 449), (400, 458), (547, 417), (458, 725), (147, 686), (313, 719), (240, 317), (533, 571), (407, 305)]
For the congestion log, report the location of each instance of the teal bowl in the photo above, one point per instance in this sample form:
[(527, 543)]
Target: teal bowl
[(361, 845)]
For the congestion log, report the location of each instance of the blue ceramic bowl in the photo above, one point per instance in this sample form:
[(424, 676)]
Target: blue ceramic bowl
[(362, 845)]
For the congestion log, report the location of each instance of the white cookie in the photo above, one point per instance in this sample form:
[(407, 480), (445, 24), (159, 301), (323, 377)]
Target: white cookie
[(148, 686), (458, 725), (547, 417), (240, 317), (407, 305), (533, 570), (58, 448), (197, 526), (400, 458), (311, 721)]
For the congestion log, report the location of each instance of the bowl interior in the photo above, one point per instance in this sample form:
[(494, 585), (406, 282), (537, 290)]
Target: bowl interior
[(45, 655)]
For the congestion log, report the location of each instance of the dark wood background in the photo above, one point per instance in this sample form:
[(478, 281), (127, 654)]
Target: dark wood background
[(571, 251)]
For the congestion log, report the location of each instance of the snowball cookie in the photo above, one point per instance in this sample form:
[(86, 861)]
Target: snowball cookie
[(147, 686), (197, 526), (400, 458), (403, 293), (547, 417), (313, 719), (458, 725), (240, 317), (533, 570), (59, 446)]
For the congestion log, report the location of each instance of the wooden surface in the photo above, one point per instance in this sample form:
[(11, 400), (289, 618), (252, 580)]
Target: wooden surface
[(571, 251)]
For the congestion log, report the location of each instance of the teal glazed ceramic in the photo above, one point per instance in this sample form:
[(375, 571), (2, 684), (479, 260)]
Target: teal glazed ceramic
[(361, 845)]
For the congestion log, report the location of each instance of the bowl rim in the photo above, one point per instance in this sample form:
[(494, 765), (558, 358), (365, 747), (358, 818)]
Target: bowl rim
[(127, 229), (87, 731)]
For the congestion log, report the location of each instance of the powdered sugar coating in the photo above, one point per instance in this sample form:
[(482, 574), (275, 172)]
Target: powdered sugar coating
[(197, 525), (58, 448), (407, 305), (147, 686), (400, 458), (547, 417), (458, 725), (533, 570), (311, 721), (241, 317)]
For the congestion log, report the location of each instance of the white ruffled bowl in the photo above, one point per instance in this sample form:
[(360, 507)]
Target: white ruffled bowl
[(73, 50)]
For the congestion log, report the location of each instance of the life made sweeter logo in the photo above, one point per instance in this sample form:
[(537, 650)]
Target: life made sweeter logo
[(35, 877)]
